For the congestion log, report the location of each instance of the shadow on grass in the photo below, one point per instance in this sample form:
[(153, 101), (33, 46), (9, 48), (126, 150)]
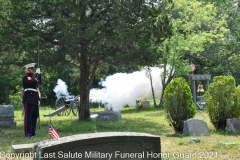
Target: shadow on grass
[(145, 120), (178, 135), (137, 110), (224, 133), (133, 120)]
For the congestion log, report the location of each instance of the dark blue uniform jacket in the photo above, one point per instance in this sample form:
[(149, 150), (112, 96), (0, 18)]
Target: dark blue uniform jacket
[(29, 81)]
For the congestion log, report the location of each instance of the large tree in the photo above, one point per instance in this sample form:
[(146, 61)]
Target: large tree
[(222, 58), (194, 27), (91, 34), (7, 56), (25, 39)]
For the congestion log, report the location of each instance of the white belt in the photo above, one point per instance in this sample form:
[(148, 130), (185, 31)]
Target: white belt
[(30, 89)]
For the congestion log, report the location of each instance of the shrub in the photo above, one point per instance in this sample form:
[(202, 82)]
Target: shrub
[(16, 101), (222, 101), (178, 103)]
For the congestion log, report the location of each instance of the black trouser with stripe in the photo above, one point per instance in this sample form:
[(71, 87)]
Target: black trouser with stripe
[(30, 119)]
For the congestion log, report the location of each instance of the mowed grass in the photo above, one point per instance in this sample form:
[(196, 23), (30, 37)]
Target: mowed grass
[(219, 145)]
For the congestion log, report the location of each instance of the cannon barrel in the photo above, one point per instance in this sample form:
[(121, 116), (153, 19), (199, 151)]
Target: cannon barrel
[(56, 111), (64, 106), (68, 101)]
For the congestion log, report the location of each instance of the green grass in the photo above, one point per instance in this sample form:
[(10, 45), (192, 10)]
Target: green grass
[(219, 145)]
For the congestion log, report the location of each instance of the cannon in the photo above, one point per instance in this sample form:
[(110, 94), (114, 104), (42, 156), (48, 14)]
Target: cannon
[(64, 105)]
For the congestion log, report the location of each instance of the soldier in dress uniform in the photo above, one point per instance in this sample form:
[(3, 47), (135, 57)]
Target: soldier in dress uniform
[(31, 99)]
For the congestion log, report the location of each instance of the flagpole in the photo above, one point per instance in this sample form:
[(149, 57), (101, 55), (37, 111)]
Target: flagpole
[(39, 123), (49, 128), (52, 131), (193, 67)]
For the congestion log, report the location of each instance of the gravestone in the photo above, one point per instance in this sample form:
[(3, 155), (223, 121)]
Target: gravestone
[(145, 104), (233, 125), (7, 116), (195, 127), (26, 148), (102, 145), (107, 109), (107, 116)]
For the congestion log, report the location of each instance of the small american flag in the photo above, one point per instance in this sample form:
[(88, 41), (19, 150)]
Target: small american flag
[(193, 66), (53, 132)]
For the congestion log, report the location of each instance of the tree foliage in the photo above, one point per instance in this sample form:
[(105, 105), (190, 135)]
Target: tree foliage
[(222, 57), (92, 34), (223, 101), (194, 27), (83, 41), (178, 103)]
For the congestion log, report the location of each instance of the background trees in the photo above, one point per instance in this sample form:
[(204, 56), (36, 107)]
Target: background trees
[(194, 28), (92, 34), (222, 57), (88, 35), (81, 41)]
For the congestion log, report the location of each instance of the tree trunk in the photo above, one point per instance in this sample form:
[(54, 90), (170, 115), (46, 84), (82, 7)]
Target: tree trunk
[(154, 99), (84, 88), (165, 81), (161, 96)]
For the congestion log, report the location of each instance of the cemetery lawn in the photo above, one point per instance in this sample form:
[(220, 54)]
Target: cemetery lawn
[(219, 145)]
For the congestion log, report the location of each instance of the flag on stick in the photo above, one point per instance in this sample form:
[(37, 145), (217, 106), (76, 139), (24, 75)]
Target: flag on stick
[(53, 132), (193, 66)]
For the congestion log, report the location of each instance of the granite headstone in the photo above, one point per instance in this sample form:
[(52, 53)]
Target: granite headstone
[(195, 127), (102, 145), (7, 116), (107, 116), (233, 125)]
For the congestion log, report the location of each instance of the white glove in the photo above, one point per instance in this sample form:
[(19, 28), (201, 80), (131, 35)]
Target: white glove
[(38, 71)]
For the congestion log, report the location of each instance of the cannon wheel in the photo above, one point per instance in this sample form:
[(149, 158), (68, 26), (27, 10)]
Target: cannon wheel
[(75, 104), (59, 103)]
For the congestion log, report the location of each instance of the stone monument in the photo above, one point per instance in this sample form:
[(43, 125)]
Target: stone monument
[(145, 104), (102, 145), (195, 127), (233, 125), (107, 116), (7, 116)]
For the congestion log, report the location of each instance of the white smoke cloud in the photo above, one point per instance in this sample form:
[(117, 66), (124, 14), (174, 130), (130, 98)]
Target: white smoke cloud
[(61, 89), (124, 89), (121, 89)]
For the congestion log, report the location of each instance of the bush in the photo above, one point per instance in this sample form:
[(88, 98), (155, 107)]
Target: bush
[(16, 101), (222, 101), (178, 103)]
